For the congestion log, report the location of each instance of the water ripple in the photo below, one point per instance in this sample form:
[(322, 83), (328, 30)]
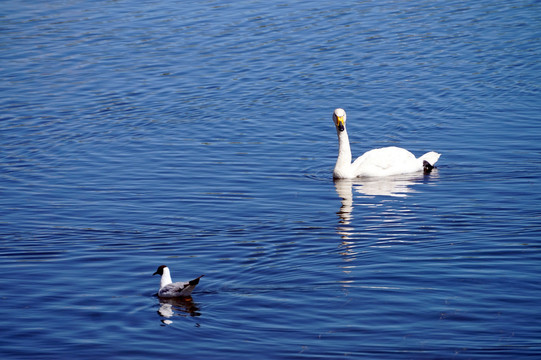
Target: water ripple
[(199, 134)]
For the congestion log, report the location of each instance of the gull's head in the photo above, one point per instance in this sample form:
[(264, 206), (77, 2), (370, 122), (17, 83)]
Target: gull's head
[(160, 270), (339, 118)]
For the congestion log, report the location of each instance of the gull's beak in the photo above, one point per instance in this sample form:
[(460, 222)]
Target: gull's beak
[(156, 273), (340, 123)]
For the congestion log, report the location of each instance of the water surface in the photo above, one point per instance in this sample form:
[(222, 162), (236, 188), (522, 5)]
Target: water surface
[(199, 135)]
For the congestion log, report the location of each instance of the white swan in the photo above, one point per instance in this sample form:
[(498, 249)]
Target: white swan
[(378, 162)]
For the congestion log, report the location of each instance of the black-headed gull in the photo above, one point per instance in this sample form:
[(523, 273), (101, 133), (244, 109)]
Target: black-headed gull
[(169, 289)]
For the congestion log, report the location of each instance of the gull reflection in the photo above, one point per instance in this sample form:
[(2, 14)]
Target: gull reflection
[(177, 307)]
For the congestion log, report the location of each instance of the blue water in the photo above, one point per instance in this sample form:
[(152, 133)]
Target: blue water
[(199, 135)]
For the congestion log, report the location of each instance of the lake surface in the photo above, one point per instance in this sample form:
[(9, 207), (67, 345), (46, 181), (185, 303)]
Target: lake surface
[(199, 135)]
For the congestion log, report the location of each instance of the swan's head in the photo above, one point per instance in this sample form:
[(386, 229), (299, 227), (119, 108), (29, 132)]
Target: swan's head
[(339, 118)]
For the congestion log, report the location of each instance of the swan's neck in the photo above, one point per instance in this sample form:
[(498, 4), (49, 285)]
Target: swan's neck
[(343, 163), (166, 278)]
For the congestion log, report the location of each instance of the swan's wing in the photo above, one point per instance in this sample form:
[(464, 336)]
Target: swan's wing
[(386, 161), (179, 288)]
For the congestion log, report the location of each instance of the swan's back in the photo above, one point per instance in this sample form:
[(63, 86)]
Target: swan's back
[(386, 161)]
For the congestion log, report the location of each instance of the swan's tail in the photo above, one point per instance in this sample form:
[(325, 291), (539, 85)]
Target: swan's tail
[(430, 157)]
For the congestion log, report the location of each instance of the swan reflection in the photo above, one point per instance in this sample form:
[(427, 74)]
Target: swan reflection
[(381, 223), (171, 307), (399, 186), (396, 186)]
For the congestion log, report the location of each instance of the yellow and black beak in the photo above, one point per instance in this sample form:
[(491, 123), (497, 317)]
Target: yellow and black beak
[(340, 123)]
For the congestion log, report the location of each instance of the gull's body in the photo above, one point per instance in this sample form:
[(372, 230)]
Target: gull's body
[(377, 162), (169, 289)]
